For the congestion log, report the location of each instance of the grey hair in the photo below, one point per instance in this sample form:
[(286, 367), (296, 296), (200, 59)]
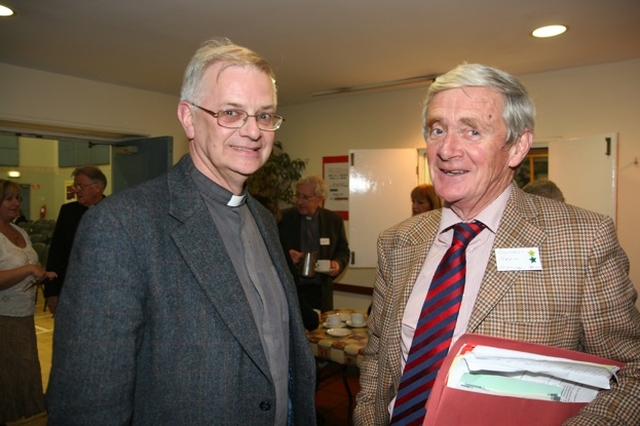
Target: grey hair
[(220, 50), (93, 173), (519, 112), (317, 182)]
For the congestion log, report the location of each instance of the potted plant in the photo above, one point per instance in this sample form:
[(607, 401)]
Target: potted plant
[(273, 183)]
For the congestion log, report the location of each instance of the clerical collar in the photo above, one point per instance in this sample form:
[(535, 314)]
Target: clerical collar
[(237, 200), (313, 215), (216, 192)]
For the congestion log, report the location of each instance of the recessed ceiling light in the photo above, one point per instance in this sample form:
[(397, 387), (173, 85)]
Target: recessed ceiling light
[(5, 11), (549, 31)]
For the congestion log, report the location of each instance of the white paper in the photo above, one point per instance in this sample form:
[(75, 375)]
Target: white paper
[(580, 381)]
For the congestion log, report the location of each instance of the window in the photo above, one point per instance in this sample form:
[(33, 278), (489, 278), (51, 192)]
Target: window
[(534, 166)]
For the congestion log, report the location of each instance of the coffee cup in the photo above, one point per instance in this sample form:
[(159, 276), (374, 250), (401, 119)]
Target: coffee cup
[(344, 316), (333, 321), (323, 265), (357, 319)]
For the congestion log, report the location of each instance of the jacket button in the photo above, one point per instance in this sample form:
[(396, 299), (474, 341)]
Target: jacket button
[(265, 406)]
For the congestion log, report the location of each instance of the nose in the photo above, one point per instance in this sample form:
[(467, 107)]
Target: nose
[(250, 128), (448, 146)]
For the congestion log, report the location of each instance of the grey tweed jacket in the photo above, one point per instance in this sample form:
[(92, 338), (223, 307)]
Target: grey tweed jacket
[(582, 300), (153, 327)]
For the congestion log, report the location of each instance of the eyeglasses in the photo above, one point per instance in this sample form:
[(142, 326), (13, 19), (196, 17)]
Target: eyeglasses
[(80, 186), (236, 118), (304, 197)]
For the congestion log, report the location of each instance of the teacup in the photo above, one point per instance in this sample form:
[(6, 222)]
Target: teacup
[(334, 321), (323, 265), (344, 316), (357, 319)]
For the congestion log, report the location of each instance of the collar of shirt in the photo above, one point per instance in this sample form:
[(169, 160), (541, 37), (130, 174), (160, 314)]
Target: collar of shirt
[(490, 216), (216, 192)]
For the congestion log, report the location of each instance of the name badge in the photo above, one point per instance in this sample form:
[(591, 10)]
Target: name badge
[(324, 241), (518, 259)]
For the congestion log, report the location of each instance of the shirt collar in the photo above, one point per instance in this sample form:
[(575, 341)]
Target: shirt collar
[(490, 216)]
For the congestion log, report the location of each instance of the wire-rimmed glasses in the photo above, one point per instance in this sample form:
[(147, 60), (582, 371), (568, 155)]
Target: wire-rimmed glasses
[(236, 118)]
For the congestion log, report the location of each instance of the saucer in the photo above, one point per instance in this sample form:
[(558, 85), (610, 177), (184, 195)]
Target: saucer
[(338, 332), (364, 324), (323, 271), (325, 325)]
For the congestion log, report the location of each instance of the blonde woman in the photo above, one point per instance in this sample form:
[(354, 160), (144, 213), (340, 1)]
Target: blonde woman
[(20, 377)]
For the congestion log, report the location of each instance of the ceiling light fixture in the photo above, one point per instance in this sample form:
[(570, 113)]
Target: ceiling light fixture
[(376, 86), (5, 11), (549, 31)]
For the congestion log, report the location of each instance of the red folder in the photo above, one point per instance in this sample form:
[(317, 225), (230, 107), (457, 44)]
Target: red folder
[(455, 407)]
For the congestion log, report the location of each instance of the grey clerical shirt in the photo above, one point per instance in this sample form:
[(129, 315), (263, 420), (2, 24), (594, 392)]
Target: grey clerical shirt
[(258, 278)]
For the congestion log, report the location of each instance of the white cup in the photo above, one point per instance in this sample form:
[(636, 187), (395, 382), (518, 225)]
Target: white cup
[(334, 321), (344, 316), (323, 265), (357, 319)]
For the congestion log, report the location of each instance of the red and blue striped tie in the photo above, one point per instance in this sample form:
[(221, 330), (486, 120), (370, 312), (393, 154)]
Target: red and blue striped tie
[(435, 327)]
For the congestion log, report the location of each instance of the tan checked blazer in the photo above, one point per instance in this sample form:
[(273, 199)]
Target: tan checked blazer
[(582, 300)]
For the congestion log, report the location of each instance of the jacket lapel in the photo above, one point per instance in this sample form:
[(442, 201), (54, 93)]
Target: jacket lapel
[(201, 248), (517, 229)]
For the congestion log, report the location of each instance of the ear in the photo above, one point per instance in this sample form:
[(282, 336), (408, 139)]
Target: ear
[(520, 148), (185, 115)]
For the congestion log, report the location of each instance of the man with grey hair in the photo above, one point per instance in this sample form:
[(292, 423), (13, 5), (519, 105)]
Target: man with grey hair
[(308, 228), (178, 306), (478, 125), (89, 183)]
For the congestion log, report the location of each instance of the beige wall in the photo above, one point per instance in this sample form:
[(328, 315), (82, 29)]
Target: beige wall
[(571, 103), (34, 96)]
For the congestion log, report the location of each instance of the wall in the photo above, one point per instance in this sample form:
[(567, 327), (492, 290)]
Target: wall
[(39, 169), (571, 103), (576, 102), (34, 96)]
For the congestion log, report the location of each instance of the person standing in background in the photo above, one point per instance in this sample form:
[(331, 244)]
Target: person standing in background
[(178, 307), (20, 375), (544, 188), (424, 199), (308, 228), (89, 184)]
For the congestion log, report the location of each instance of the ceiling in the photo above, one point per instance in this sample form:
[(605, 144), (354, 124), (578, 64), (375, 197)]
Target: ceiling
[(314, 45)]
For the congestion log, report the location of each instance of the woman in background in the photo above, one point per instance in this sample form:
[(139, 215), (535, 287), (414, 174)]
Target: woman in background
[(424, 198), (20, 378)]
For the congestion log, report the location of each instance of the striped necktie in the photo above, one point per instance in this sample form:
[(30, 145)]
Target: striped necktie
[(434, 331)]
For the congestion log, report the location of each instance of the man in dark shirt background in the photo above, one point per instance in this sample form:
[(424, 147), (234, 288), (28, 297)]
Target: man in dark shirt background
[(89, 184)]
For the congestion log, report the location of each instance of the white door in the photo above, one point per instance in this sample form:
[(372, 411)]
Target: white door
[(585, 171), (380, 184)]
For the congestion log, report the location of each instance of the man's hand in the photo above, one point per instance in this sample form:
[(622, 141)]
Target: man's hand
[(296, 256), (52, 304)]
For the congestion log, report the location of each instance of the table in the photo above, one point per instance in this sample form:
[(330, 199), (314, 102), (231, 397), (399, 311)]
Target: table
[(345, 351)]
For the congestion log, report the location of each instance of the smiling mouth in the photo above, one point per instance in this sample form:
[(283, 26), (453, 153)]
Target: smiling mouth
[(246, 149), (453, 172)]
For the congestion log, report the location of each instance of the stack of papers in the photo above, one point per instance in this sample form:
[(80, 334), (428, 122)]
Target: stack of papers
[(526, 375), (490, 381)]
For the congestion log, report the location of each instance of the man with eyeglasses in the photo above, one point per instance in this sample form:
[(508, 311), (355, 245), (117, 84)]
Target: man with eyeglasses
[(308, 228), (89, 183), (178, 306)]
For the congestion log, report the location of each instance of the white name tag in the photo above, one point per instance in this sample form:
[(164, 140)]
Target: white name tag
[(518, 259), (324, 241)]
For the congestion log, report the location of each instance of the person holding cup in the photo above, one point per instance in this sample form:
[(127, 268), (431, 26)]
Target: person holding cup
[(309, 228)]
